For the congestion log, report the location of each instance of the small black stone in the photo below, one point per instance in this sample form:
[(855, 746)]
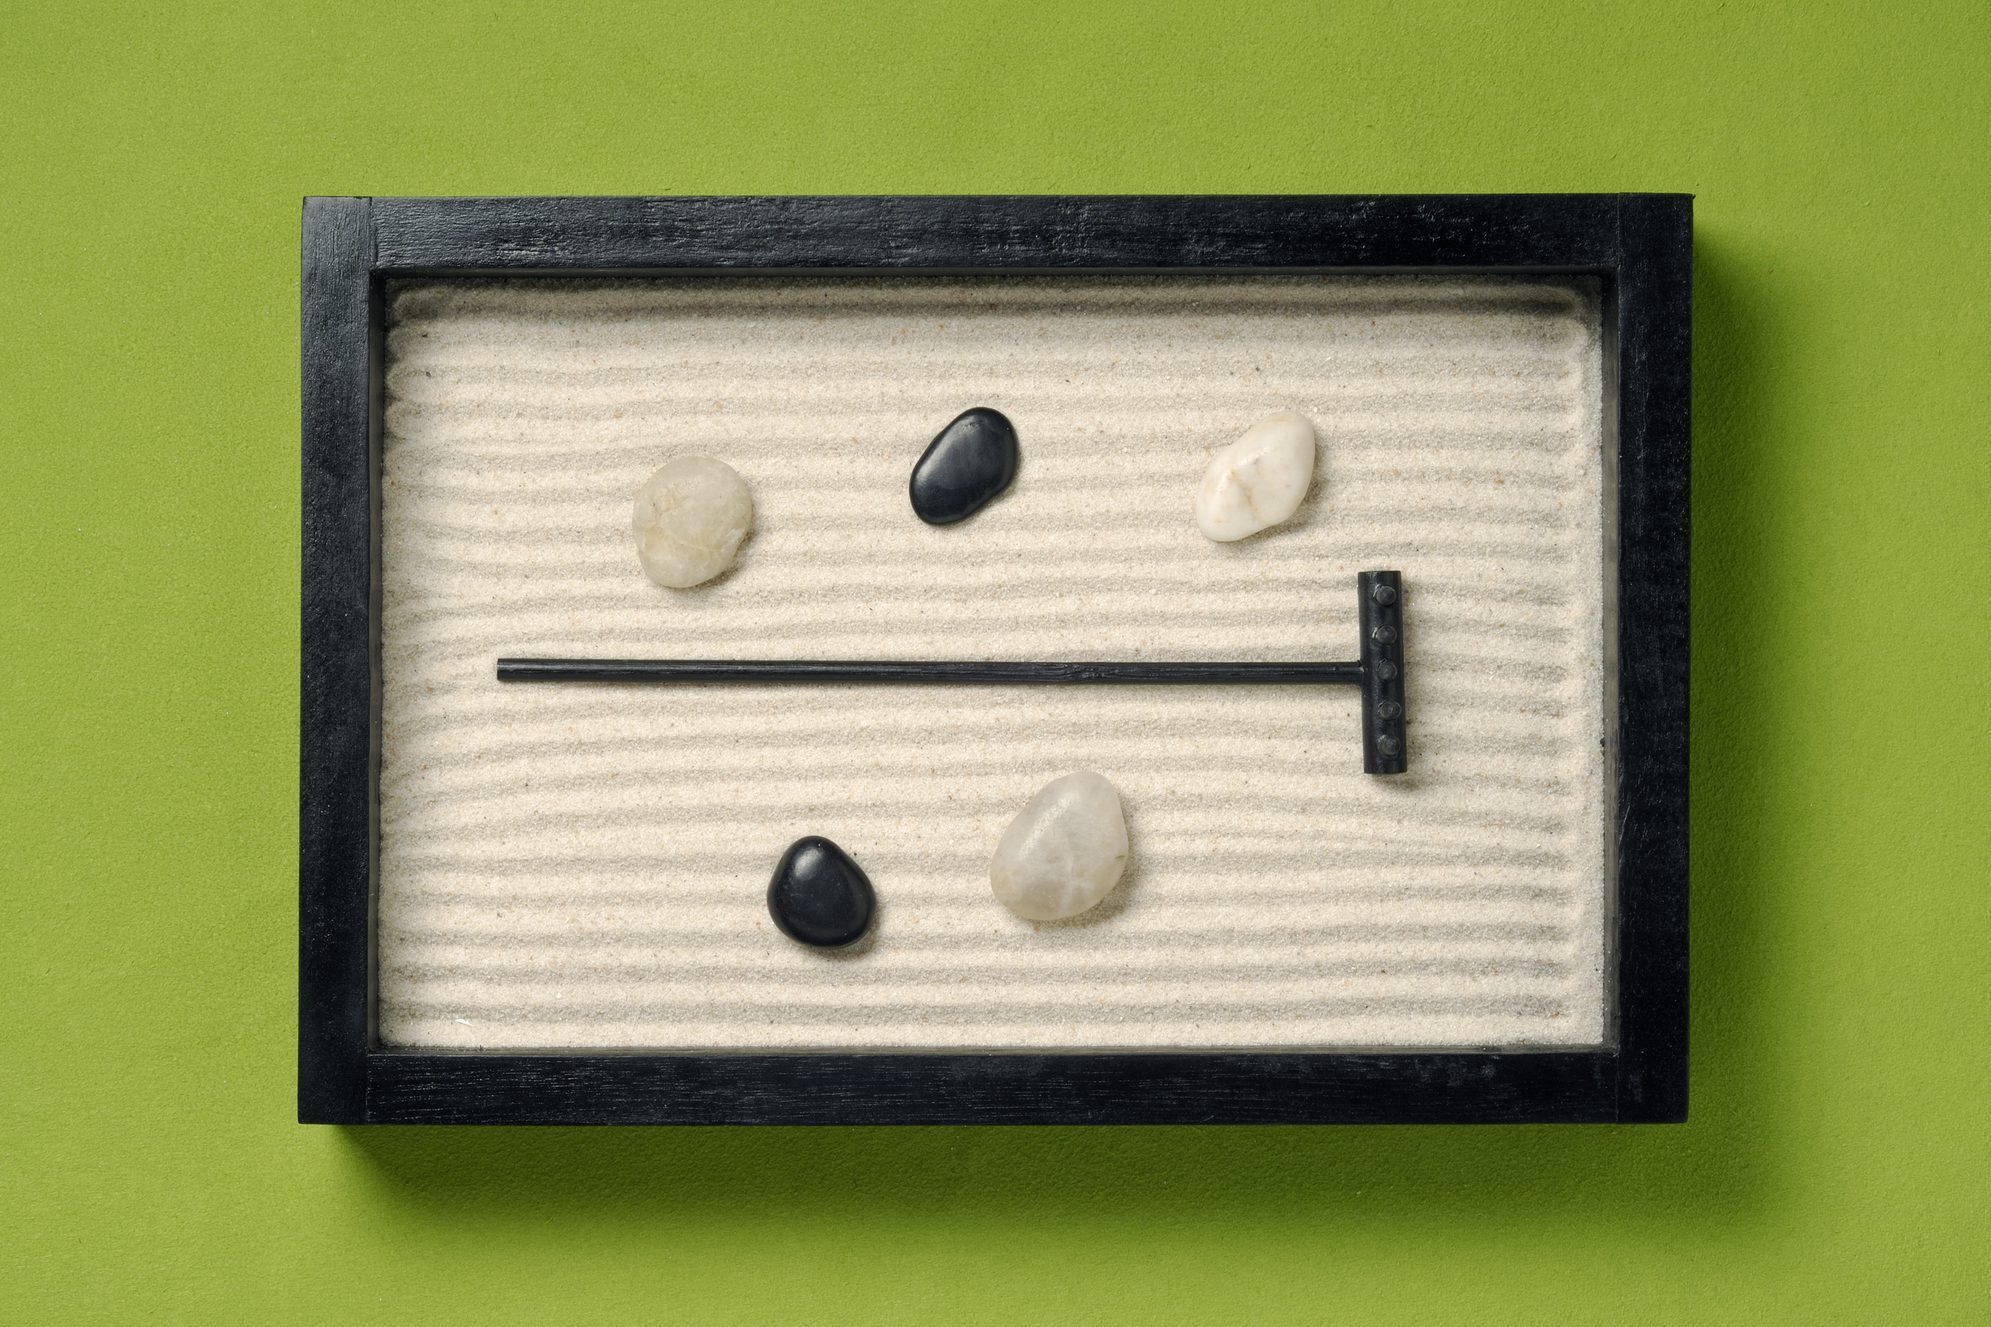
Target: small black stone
[(964, 467), (819, 896)]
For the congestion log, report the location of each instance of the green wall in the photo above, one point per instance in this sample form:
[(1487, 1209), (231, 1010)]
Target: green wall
[(151, 162)]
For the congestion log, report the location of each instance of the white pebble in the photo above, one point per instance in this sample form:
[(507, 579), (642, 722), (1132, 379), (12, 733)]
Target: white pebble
[(690, 520), (1064, 851), (1259, 480)]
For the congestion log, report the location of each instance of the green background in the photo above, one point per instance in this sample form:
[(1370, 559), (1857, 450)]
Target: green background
[(1835, 1169)]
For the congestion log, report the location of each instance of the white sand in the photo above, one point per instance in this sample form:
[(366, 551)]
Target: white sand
[(567, 866)]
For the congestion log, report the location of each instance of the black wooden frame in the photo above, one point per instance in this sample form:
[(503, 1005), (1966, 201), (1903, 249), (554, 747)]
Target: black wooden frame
[(1638, 245)]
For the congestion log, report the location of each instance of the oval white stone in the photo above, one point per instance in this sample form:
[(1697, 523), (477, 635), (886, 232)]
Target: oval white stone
[(690, 520), (1259, 480), (1064, 851)]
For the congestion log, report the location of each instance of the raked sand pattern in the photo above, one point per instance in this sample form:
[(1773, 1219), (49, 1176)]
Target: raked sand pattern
[(586, 865)]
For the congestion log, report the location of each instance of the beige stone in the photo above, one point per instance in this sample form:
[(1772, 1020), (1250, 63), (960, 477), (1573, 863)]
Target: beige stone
[(1065, 850), (690, 520), (1259, 480)]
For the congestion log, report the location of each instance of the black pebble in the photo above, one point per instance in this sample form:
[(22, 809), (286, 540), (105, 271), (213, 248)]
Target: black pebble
[(820, 896), (962, 469)]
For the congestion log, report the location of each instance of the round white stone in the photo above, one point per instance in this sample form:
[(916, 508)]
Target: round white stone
[(1064, 851), (1259, 480), (690, 520)]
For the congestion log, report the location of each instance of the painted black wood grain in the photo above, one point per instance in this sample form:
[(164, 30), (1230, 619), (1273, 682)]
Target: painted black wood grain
[(336, 686), (1639, 245), (1217, 1087), (977, 233), (1654, 296)]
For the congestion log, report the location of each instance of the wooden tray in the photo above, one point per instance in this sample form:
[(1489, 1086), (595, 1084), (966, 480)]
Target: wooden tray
[(1298, 1061)]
